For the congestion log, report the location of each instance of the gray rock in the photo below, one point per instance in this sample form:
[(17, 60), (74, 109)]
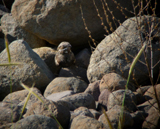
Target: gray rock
[(10, 27), (47, 54), (59, 95), (42, 19), (85, 122), (95, 113), (114, 115), (60, 84), (68, 105), (9, 113), (36, 122), (116, 98), (81, 99), (116, 52), (50, 109), (31, 69)]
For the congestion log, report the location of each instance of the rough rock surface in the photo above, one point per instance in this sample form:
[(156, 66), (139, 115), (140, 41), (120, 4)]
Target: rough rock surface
[(116, 98), (113, 116), (50, 109), (93, 89), (62, 20), (85, 122), (36, 122), (19, 96), (32, 69), (81, 99), (113, 81), (65, 83), (116, 52), (10, 27)]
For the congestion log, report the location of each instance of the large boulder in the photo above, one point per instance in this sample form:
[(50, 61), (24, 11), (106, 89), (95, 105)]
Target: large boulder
[(116, 52), (61, 20), (11, 28), (31, 69)]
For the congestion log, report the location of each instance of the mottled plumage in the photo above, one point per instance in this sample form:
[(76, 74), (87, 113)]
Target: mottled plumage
[(64, 56)]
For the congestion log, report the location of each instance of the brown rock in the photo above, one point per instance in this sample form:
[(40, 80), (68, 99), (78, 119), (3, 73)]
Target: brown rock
[(153, 119), (85, 122), (38, 17), (113, 81), (93, 89), (47, 54), (150, 93)]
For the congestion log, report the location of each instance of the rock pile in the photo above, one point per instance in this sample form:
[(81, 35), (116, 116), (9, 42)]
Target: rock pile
[(76, 95)]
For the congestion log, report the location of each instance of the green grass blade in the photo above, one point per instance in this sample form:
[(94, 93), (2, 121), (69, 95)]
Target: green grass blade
[(129, 75), (7, 48), (10, 64)]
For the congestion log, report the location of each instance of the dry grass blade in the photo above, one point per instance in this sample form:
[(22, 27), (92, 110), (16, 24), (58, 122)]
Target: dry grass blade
[(32, 92), (129, 75), (7, 48), (104, 112)]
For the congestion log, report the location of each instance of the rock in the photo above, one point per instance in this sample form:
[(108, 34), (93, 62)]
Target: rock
[(103, 97), (74, 71), (116, 98), (81, 99), (115, 53), (36, 121), (47, 54), (113, 81), (85, 122), (31, 69), (143, 89), (146, 105), (50, 109), (93, 89), (41, 21), (9, 114), (95, 113), (10, 27), (114, 115), (82, 58), (19, 96), (138, 117), (153, 119), (68, 105), (60, 84), (83, 111), (150, 93), (59, 95), (2, 45)]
